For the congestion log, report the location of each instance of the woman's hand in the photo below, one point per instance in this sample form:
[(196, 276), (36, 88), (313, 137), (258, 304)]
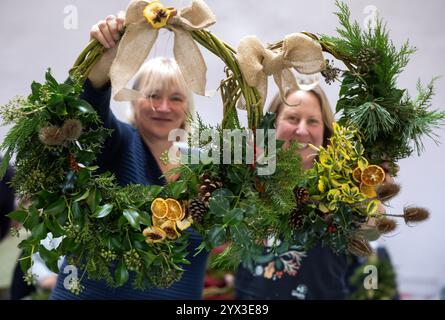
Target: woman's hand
[(107, 32)]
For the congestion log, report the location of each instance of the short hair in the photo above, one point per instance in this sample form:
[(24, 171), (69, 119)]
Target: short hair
[(326, 111), (162, 73)]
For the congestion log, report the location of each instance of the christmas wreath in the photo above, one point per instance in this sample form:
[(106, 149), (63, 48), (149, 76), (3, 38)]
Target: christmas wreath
[(56, 137)]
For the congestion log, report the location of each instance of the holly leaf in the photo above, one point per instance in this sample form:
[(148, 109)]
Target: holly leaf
[(233, 217), (216, 236)]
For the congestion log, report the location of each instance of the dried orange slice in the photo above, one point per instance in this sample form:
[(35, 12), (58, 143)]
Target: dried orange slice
[(174, 211), (357, 175), (169, 228), (373, 175), (184, 224), (184, 206), (159, 208), (158, 221), (154, 234), (368, 191)]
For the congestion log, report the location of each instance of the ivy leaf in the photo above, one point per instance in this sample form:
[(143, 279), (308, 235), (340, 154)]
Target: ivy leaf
[(50, 257), (103, 211), (19, 215), (39, 232), (57, 207), (121, 275), (54, 227), (133, 218)]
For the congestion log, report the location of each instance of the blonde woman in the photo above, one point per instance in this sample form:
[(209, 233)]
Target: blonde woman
[(133, 152)]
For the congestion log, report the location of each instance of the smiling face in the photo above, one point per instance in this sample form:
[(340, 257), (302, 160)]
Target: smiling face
[(303, 123), (165, 101), (160, 111)]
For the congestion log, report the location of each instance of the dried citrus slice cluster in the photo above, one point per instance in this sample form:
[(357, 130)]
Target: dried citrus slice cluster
[(168, 215), (369, 178)]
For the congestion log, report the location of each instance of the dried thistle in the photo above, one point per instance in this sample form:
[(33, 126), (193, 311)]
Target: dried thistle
[(359, 247), (51, 136), (72, 129), (414, 214), (387, 191), (385, 225)]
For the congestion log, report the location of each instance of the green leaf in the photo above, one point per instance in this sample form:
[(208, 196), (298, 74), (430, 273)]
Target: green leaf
[(50, 79), (39, 232), (116, 243), (84, 107), (25, 263), (233, 217), (32, 219), (216, 236), (93, 199), (154, 191), (56, 208), (50, 257), (83, 196), (35, 88), (65, 89), (77, 212), (132, 217), (178, 188), (145, 218), (240, 234), (54, 227), (148, 257), (103, 211), (19, 215), (121, 275), (219, 203), (57, 105)]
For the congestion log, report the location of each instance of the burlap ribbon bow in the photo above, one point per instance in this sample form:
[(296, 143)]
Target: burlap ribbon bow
[(257, 63), (140, 37)]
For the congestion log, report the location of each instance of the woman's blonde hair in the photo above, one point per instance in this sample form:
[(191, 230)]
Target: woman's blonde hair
[(326, 111), (163, 74)]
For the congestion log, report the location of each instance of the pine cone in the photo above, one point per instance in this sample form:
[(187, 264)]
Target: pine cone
[(197, 209), (301, 195), (296, 219), (206, 188)]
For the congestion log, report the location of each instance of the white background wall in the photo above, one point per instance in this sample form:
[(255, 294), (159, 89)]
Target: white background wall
[(33, 38)]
